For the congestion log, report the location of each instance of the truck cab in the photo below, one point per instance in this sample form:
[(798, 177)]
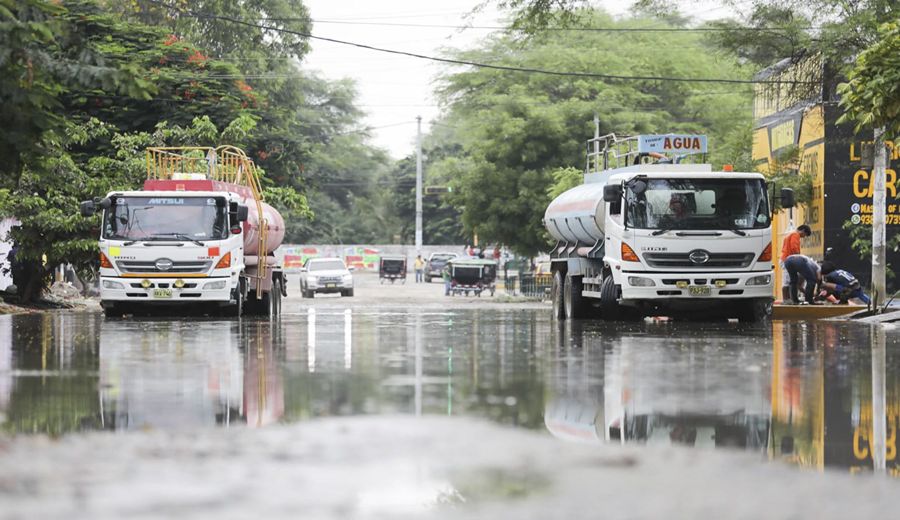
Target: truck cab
[(169, 248)]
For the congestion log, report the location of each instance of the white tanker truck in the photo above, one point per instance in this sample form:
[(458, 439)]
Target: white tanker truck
[(653, 231), (198, 236)]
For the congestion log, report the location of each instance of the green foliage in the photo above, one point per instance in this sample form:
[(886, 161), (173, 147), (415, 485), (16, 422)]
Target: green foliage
[(564, 179), (785, 172), (768, 34), (517, 129), (836, 29), (861, 242), (871, 96)]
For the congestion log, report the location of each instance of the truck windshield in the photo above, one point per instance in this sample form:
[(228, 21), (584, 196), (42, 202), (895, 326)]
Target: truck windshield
[(699, 204), (166, 218)]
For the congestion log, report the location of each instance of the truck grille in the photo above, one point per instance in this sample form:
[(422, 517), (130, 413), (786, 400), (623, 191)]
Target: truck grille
[(149, 266), (679, 260), (329, 279)]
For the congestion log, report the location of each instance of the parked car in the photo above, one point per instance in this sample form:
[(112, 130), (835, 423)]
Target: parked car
[(436, 263), (325, 275)]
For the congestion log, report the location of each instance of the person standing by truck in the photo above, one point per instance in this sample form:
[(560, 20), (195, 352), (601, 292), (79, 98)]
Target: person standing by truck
[(791, 246)]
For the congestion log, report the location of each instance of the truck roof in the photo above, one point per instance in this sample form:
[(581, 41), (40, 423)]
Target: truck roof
[(155, 193)]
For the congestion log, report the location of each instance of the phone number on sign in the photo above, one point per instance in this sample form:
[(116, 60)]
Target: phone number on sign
[(890, 220)]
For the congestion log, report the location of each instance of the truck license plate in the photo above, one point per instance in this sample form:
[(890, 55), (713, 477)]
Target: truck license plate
[(699, 290), (330, 286), (162, 293)]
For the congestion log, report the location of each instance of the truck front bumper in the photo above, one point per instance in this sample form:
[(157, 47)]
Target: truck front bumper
[(165, 291), (686, 287)]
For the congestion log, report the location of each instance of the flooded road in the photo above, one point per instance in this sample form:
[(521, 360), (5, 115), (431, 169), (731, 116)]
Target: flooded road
[(816, 395)]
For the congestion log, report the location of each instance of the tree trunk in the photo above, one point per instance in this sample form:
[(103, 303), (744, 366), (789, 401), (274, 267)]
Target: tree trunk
[(879, 257)]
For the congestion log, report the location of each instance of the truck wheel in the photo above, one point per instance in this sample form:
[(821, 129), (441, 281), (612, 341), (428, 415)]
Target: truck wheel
[(610, 310), (573, 302), (755, 311), (350, 293), (427, 279), (556, 296)]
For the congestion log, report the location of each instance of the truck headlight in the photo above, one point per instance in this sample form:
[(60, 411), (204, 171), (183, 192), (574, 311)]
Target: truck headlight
[(764, 279), (347, 278), (218, 285), (109, 284), (312, 280), (640, 281)]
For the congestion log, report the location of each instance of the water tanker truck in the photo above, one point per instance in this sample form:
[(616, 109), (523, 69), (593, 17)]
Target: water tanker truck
[(653, 231), (197, 236)]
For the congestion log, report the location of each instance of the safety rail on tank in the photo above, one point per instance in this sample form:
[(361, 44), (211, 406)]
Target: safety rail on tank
[(225, 164), (611, 151)]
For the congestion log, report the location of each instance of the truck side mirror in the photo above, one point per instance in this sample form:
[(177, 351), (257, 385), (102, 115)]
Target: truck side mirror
[(612, 193), (787, 198), (88, 208), (243, 212)]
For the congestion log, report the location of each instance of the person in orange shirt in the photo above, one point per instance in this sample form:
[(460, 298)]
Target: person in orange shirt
[(791, 246)]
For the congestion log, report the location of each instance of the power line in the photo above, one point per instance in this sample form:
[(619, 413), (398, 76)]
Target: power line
[(555, 29), (453, 61)]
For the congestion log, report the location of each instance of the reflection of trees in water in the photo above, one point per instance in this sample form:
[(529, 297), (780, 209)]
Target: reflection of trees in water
[(56, 388)]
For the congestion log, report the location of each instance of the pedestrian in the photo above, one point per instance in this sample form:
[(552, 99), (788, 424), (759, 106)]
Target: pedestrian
[(445, 275), (419, 266), (497, 253), (842, 284), (802, 267), (791, 246)]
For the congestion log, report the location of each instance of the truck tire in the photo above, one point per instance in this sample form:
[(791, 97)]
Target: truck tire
[(755, 311), (575, 305), (268, 305), (610, 310), (556, 296)]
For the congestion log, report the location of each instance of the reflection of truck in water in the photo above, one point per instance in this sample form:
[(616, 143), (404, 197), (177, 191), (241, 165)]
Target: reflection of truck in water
[(198, 235), (666, 238), (649, 392)]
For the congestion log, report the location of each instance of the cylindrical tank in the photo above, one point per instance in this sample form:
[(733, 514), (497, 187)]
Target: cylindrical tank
[(577, 216), (275, 228)]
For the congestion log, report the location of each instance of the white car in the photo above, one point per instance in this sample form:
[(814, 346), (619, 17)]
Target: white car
[(325, 275)]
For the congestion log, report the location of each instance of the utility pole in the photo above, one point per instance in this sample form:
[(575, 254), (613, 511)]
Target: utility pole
[(879, 258), (418, 184)]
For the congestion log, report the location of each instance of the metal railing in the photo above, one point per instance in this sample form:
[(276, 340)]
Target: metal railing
[(529, 284)]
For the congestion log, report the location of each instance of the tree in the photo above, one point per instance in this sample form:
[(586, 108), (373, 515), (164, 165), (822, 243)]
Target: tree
[(871, 95), (516, 129)]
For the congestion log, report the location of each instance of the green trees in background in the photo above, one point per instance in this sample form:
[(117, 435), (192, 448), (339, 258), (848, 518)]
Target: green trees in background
[(517, 129)]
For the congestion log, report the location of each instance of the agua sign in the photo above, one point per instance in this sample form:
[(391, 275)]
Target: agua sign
[(672, 143)]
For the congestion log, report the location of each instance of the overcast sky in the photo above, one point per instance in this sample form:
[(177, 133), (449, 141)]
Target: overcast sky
[(393, 90)]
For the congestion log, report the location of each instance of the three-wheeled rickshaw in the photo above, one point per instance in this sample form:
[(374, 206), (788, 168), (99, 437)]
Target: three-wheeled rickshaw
[(392, 268), (472, 276)]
